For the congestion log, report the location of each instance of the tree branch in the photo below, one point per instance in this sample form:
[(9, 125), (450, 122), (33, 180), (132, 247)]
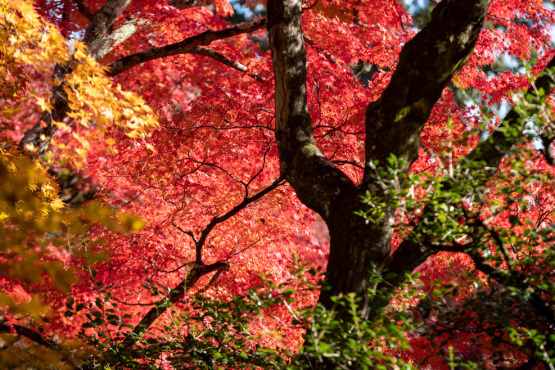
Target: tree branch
[(199, 268), (319, 184), (426, 65), (313, 43), (39, 339), (219, 219), (40, 134), (409, 256), (227, 61), (29, 334), (116, 37), (101, 23), (176, 294), (83, 10), (183, 47), (186, 4), (514, 279)]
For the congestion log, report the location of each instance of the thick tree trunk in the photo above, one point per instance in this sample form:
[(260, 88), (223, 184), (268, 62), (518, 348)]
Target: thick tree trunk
[(357, 251), (393, 124)]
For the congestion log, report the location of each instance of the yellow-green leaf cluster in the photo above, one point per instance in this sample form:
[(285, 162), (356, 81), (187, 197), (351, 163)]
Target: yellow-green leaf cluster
[(34, 223)]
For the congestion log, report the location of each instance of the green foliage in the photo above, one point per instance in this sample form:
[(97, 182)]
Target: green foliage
[(213, 333)]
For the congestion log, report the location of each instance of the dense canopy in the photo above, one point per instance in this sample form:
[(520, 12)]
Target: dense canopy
[(228, 184)]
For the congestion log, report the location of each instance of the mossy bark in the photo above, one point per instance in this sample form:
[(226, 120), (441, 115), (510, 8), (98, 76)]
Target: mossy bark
[(393, 124)]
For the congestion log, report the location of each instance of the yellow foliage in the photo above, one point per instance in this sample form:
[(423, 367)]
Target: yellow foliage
[(29, 51)]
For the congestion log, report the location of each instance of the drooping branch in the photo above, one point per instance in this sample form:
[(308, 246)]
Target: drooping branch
[(227, 61), (40, 339), (185, 46), (199, 268), (426, 65), (319, 184)]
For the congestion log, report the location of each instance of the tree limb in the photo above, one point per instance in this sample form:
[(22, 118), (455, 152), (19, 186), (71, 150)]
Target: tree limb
[(426, 65), (176, 294), (409, 256), (39, 339), (513, 279), (199, 268), (101, 23), (227, 61), (83, 10), (116, 37), (319, 184), (186, 4), (184, 46), (29, 334), (40, 134), (498, 144)]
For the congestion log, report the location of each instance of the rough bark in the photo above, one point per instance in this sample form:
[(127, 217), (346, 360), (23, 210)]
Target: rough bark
[(426, 65), (116, 37), (393, 124), (101, 23)]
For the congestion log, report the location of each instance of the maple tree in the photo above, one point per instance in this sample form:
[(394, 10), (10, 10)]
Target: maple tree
[(227, 140)]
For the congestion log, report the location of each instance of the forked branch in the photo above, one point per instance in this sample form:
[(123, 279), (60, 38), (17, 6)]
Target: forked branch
[(199, 268)]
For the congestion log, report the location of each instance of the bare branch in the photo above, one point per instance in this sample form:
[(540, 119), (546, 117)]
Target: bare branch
[(227, 61), (30, 334), (186, 4), (199, 268), (246, 201), (184, 47), (313, 43)]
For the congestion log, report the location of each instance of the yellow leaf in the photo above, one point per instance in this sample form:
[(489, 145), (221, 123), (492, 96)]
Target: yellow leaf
[(44, 105)]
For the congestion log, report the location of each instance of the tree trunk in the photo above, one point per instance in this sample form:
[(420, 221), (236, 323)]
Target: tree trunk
[(393, 124)]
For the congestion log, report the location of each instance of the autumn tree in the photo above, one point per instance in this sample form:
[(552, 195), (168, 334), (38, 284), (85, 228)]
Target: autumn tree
[(422, 140)]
